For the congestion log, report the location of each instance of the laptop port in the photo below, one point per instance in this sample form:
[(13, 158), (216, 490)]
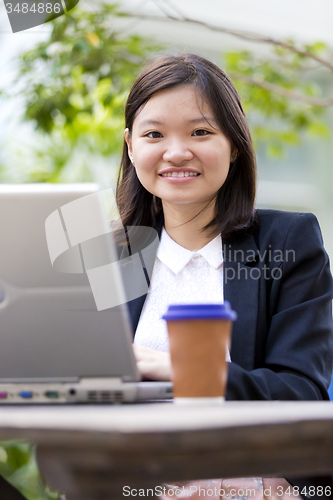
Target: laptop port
[(52, 394), (26, 394), (3, 395)]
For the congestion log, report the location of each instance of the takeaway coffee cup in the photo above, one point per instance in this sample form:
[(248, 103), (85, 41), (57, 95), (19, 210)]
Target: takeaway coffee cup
[(199, 336)]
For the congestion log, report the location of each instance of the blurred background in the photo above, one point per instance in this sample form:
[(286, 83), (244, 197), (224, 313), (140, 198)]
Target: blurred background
[(63, 86)]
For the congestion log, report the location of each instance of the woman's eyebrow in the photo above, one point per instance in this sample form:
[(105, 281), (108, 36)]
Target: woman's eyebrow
[(201, 119), (150, 122)]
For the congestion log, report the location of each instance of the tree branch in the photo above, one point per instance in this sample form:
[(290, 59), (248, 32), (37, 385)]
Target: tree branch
[(253, 37), (295, 96)]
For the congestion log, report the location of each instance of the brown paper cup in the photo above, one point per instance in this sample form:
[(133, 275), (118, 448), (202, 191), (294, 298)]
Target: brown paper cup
[(198, 349)]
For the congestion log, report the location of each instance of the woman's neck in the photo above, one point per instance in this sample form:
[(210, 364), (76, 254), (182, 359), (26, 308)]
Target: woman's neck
[(184, 225)]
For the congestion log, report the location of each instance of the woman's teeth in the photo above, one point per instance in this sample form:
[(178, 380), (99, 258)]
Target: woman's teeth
[(180, 174)]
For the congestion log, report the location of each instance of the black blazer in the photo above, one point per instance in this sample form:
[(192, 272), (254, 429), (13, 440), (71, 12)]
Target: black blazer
[(277, 279)]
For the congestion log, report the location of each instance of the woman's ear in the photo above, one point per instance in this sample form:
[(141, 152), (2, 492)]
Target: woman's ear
[(127, 136), (234, 155)]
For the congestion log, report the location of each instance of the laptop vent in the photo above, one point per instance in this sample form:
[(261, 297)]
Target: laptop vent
[(105, 396)]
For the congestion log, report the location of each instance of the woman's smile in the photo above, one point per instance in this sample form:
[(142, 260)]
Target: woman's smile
[(178, 175)]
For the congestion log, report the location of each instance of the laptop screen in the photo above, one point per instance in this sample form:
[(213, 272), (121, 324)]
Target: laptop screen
[(63, 312)]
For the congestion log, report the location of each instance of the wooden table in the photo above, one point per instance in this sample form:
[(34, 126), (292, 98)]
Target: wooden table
[(92, 452)]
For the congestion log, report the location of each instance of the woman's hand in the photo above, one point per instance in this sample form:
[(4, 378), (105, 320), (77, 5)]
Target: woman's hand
[(152, 365)]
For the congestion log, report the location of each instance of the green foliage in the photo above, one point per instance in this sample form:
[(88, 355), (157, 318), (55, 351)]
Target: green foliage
[(279, 120), (19, 467), (75, 87)]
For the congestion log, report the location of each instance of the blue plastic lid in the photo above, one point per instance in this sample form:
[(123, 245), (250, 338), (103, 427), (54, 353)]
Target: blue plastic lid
[(179, 312)]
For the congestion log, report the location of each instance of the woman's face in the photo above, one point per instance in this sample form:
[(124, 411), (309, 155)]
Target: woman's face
[(179, 152)]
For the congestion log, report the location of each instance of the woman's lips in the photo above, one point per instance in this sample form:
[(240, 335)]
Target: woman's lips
[(179, 176)]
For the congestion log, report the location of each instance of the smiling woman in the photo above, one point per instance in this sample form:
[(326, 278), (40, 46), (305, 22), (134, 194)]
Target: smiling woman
[(185, 159), (189, 171), (178, 121)]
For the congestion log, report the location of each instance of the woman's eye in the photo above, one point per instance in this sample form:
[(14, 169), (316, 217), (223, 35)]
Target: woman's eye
[(201, 132), (153, 135)]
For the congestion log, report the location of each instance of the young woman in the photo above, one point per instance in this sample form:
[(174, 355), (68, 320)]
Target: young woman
[(189, 171)]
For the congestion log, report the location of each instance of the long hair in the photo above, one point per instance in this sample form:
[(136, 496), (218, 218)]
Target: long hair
[(234, 203)]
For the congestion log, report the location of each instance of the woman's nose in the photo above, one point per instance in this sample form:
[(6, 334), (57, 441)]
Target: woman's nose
[(177, 153)]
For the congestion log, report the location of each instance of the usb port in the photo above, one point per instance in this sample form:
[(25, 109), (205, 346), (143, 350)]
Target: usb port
[(26, 394), (52, 394)]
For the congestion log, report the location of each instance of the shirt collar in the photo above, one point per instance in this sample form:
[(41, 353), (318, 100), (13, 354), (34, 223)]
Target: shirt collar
[(176, 257)]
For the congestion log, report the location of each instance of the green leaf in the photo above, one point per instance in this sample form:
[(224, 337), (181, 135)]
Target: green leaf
[(274, 150), (318, 129)]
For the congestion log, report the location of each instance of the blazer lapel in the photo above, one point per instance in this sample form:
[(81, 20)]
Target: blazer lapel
[(134, 306), (241, 288)]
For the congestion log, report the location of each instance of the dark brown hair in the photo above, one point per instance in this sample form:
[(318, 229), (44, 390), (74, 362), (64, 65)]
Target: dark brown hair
[(234, 204)]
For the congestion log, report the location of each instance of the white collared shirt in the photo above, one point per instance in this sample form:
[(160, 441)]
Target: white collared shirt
[(180, 276)]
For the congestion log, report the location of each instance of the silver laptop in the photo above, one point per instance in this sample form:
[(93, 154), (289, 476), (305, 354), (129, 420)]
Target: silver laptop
[(65, 333)]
